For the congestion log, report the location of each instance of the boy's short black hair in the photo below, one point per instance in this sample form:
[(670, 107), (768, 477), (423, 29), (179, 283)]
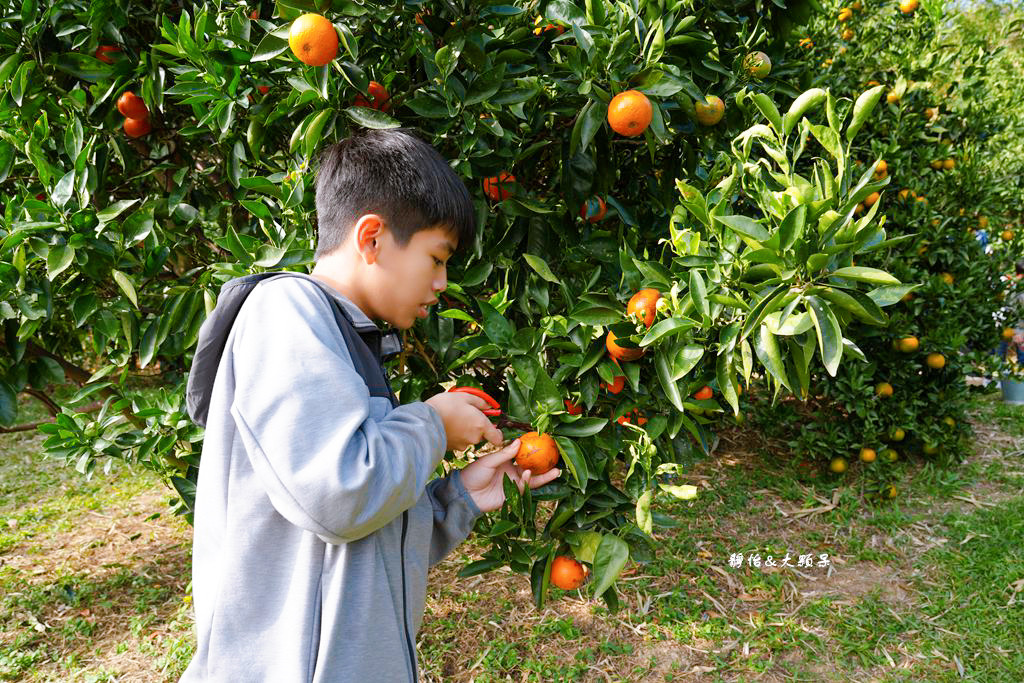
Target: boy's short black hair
[(396, 175)]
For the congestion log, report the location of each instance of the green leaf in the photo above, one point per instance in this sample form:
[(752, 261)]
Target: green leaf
[(58, 259), (766, 348), (496, 327), (643, 512), (125, 283), (745, 226), (611, 557), (828, 138), (574, 460), (371, 118), (685, 360), (664, 328), (682, 492), (698, 292), (64, 189), (726, 376), (270, 47), (314, 131), (864, 274), (581, 427), (860, 305), (862, 109), (541, 266), (770, 111), (830, 336), (801, 105), (662, 363), (890, 294), (792, 227)]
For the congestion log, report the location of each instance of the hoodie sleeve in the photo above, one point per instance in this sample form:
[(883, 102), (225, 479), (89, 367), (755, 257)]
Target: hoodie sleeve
[(454, 514), (303, 414)]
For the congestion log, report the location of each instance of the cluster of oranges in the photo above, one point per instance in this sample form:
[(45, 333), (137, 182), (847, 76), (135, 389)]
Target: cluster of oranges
[(136, 114), (910, 344), (943, 164)]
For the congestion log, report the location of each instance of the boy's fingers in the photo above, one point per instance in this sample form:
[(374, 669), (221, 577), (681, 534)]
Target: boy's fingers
[(524, 481), (495, 436), (504, 455)]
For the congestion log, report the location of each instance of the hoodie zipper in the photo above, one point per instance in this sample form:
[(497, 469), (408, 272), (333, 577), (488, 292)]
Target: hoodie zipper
[(405, 607)]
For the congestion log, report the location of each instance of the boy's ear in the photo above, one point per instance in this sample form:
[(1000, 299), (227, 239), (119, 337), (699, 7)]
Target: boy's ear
[(368, 231)]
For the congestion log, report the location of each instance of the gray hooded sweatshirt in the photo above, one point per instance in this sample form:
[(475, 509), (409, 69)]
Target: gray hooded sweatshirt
[(315, 523)]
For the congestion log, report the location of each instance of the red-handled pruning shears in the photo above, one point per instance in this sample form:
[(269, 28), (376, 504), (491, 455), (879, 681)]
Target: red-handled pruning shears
[(493, 411)]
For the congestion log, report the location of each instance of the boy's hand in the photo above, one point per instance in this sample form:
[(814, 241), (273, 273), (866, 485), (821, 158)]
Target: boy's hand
[(464, 421), (483, 477)]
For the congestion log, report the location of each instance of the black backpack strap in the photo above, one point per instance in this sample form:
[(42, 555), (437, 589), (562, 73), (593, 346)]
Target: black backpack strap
[(367, 346)]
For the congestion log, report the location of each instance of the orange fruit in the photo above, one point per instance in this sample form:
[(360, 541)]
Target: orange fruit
[(936, 361), (379, 97), (806, 43), (897, 434), (904, 193), (757, 64), (554, 28), (908, 6), (103, 53), (847, 35), (136, 128), (931, 112), (948, 421), (890, 454), (704, 393), (593, 210), (845, 14), (644, 304), (1007, 235), (883, 390), (891, 491), (908, 344), (313, 39), (537, 452), (710, 111), (617, 385), (949, 164), (867, 455), (496, 188), (892, 98), (132, 106), (573, 408), (640, 420), (620, 352), (1007, 333), (982, 222), (838, 465), (629, 113), (947, 278), (881, 169), (871, 199), (936, 164), (567, 573)]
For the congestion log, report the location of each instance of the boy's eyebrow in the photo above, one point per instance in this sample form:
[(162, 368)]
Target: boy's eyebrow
[(450, 247)]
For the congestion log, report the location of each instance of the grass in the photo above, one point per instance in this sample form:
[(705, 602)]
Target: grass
[(929, 586), (90, 570)]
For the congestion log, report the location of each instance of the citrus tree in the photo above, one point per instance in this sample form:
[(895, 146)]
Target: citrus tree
[(664, 214), (931, 135)]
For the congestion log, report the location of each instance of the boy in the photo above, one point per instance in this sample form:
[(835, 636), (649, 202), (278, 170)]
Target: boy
[(314, 523)]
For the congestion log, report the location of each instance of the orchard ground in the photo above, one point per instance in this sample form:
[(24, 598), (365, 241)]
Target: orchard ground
[(930, 586)]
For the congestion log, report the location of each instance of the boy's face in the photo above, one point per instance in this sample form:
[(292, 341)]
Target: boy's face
[(409, 280)]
